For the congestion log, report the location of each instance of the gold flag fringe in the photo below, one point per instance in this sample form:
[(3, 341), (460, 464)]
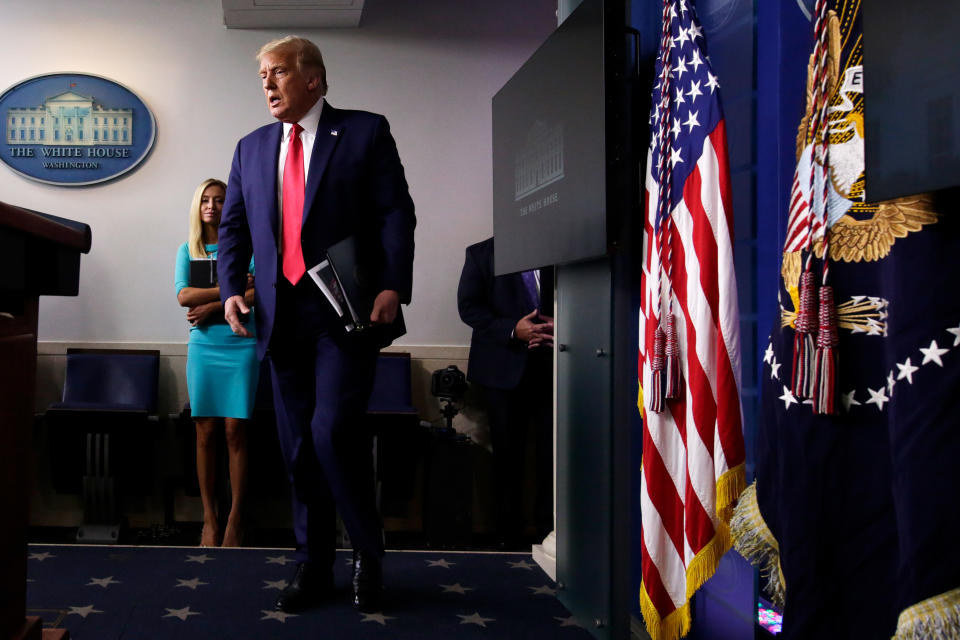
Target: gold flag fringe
[(676, 625), (754, 541), (936, 618), (730, 487), (703, 565)]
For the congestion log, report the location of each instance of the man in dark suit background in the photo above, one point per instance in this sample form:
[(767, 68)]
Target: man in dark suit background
[(296, 187), (511, 358)]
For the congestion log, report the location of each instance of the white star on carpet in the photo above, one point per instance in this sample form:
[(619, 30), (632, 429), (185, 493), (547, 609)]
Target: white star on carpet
[(956, 335), (455, 588), (878, 397), (906, 371), (183, 614), (276, 615), (933, 353), (787, 397), (199, 559), (568, 622), (282, 560), (768, 354), (190, 584), (442, 562), (476, 619), (83, 611), (41, 556), (848, 400), (523, 564), (775, 369), (376, 617), (891, 381), (102, 582), (545, 590), (275, 584)]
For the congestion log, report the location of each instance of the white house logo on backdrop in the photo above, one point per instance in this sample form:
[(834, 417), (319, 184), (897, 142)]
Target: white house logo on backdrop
[(74, 129), (540, 161)]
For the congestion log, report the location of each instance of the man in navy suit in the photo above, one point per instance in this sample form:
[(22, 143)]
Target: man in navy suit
[(511, 358), (296, 187)]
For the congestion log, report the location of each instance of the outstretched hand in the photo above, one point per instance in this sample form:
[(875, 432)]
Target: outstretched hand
[(232, 309)]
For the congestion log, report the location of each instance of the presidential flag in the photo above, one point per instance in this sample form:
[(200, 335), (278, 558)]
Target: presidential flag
[(854, 515), (689, 342)]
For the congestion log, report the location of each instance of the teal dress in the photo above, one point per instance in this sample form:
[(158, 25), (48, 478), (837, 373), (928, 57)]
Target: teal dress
[(222, 367)]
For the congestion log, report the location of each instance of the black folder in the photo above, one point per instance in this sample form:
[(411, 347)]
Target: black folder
[(349, 278), (203, 273)]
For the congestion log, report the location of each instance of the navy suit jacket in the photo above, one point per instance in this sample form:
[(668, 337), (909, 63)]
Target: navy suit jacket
[(355, 186), (491, 306)]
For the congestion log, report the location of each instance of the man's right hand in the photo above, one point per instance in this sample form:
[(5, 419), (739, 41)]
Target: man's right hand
[(232, 309)]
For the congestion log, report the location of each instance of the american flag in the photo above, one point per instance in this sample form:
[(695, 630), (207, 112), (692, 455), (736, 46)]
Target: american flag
[(693, 453)]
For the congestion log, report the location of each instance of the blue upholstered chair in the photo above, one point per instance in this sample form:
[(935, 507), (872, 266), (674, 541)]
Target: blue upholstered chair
[(100, 435), (392, 390), (399, 440)]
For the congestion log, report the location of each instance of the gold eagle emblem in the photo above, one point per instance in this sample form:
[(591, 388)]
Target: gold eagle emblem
[(867, 231)]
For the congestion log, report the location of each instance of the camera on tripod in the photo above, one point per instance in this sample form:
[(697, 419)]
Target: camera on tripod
[(448, 385)]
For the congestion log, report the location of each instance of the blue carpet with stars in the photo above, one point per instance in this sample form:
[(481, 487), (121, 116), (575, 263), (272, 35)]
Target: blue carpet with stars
[(145, 593)]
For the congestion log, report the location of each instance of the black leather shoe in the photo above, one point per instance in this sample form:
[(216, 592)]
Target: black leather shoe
[(310, 586), (367, 582)]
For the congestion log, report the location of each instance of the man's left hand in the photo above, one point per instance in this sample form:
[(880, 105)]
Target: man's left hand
[(385, 307)]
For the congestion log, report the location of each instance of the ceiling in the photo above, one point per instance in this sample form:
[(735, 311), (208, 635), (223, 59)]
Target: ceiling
[(289, 14)]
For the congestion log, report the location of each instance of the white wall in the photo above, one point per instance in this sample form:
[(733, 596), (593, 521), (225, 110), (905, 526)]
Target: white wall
[(430, 66)]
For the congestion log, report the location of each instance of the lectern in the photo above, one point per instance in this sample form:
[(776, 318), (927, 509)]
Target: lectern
[(39, 255)]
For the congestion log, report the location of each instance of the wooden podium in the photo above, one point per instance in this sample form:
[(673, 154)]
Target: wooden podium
[(39, 255)]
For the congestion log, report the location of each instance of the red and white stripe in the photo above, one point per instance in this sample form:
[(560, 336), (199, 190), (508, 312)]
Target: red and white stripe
[(805, 224), (697, 439)]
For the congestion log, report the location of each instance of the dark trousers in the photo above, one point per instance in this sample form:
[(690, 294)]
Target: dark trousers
[(520, 418), (321, 388)]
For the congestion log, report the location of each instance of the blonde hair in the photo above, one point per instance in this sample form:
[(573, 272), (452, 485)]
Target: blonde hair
[(195, 243), (308, 55)]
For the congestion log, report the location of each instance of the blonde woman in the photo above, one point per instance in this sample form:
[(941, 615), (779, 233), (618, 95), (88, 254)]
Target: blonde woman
[(222, 369)]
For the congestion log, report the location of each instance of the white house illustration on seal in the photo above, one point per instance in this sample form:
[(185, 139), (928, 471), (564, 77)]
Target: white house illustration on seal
[(69, 119)]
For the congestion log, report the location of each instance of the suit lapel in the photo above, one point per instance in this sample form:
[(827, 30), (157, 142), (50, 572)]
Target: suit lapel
[(269, 176), (329, 131)]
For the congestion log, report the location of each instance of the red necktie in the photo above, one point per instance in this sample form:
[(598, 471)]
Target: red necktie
[(293, 266)]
